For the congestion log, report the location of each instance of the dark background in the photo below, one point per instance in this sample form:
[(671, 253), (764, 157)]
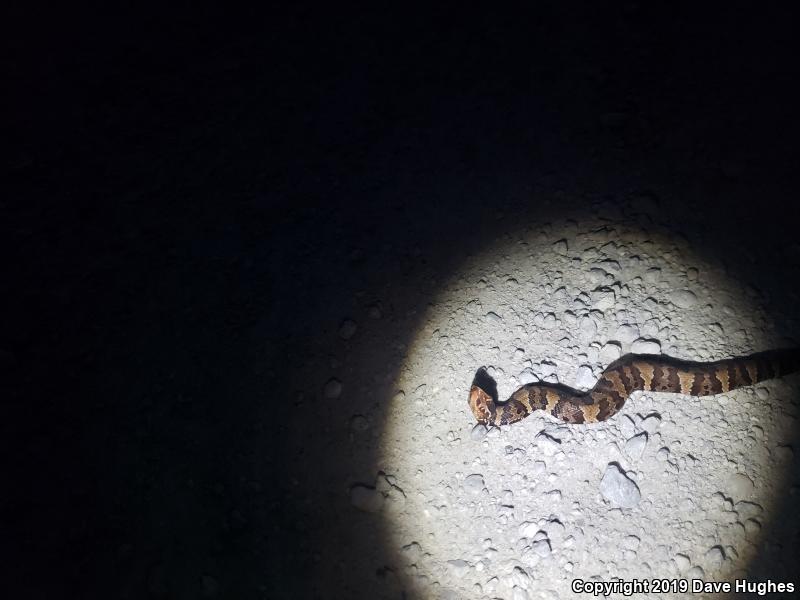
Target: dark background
[(193, 200)]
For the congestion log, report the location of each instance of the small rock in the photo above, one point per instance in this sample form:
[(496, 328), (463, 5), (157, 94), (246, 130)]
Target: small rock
[(541, 547), (652, 275), (752, 527), (598, 276), (651, 423), (626, 426), (740, 486), (715, 556), (588, 327), (627, 333), (663, 454), (366, 498), (635, 446), (493, 317), (347, 329), (527, 376), (474, 483), (682, 562), (618, 489), (458, 567), (610, 352), (745, 509), (548, 444), (555, 529), (644, 346), (520, 577), (529, 529), (762, 393), (603, 299), (333, 389), (553, 496), (561, 247), (478, 432), (518, 593), (631, 542), (413, 552), (683, 298), (585, 378), (695, 573), (396, 499)]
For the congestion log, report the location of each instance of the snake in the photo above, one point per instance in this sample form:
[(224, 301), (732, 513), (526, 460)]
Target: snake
[(630, 373)]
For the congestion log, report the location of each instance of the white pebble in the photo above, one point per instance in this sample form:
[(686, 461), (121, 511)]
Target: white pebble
[(695, 573), (588, 327), (635, 446), (474, 483), (740, 486), (528, 529), (610, 352), (478, 432), (631, 542), (585, 378), (752, 527), (645, 346), (458, 567), (548, 445), (715, 556), (561, 247), (619, 489), (682, 562), (626, 426), (519, 594), (652, 275), (541, 547), (745, 509), (651, 423), (527, 376), (520, 577), (627, 333), (683, 298), (603, 299)]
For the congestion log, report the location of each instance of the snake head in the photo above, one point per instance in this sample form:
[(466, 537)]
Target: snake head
[(481, 405)]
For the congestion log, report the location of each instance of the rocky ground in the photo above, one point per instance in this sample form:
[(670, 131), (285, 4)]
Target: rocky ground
[(255, 264)]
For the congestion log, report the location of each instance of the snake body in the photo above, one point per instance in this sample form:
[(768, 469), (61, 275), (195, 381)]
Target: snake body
[(630, 373)]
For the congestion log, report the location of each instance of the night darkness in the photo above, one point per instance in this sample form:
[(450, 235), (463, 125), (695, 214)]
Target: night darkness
[(196, 205)]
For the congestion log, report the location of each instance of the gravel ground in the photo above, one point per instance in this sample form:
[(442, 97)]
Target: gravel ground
[(256, 262)]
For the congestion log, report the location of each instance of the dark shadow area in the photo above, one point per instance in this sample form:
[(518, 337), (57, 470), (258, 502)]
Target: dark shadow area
[(486, 382), (193, 204)]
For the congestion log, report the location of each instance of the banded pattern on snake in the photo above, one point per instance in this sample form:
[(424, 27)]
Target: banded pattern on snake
[(653, 373)]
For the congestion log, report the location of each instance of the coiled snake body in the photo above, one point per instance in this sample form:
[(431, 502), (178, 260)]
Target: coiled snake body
[(630, 373)]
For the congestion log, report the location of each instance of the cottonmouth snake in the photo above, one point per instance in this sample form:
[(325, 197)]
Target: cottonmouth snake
[(633, 372)]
